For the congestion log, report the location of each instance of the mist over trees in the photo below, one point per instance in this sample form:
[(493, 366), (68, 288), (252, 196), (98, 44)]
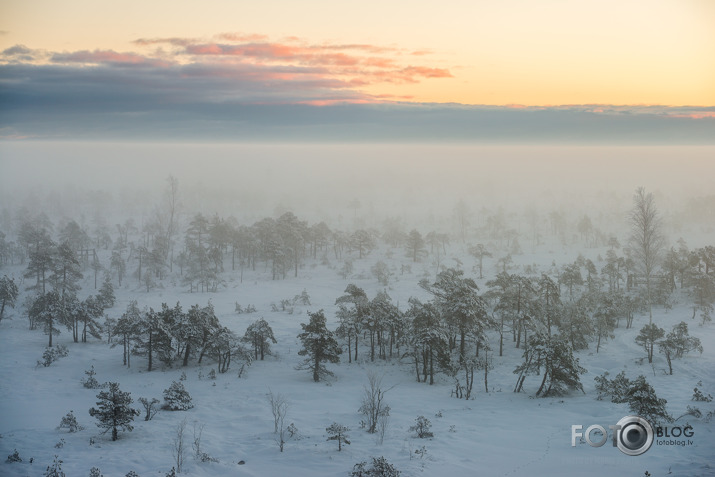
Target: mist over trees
[(467, 294)]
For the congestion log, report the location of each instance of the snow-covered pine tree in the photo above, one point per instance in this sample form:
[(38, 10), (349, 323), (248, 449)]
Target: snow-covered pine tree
[(176, 398), (106, 293), (647, 338), (70, 423), (89, 312), (66, 270), (260, 335), (319, 346), (153, 337), (677, 343), (90, 382), (459, 302), (553, 356), (114, 410), (46, 309), (643, 402)]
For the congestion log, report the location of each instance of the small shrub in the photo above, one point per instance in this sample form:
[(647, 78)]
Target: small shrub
[(302, 299), (699, 396), (69, 422), (131, 473), (212, 374), (53, 354), (199, 454), (90, 382), (95, 472), (150, 407), (54, 470), (378, 468), (60, 444), (422, 427), (176, 398), (14, 457)]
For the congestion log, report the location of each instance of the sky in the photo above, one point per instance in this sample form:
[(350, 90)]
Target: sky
[(514, 70)]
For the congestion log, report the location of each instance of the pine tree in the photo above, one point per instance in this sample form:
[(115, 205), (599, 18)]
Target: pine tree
[(128, 327), (647, 338), (353, 312), (415, 245), (338, 432), (114, 410), (118, 264), (8, 293), (319, 346), (428, 337), (47, 309), (260, 335), (153, 338), (70, 423), (106, 293), (176, 398), (461, 305), (89, 312), (553, 356), (66, 270), (677, 343), (643, 402), (40, 250)]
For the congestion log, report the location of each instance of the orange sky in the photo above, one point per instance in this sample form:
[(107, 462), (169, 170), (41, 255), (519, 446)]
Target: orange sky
[(546, 52)]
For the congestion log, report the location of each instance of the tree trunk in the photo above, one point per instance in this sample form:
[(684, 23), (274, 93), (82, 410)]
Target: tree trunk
[(316, 369), (149, 349), (186, 354)]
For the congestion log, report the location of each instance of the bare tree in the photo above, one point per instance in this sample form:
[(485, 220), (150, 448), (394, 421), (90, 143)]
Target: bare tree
[(279, 408), (646, 240), (179, 446), (172, 198), (382, 425), (374, 406), (279, 403)]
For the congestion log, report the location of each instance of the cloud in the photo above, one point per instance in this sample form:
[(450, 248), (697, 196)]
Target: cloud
[(241, 37), (21, 53), (357, 64), (17, 50), (108, 57), (239, 86), (170, 41)]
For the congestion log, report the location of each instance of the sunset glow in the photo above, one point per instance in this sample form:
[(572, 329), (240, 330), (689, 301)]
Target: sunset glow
[(551, 52)]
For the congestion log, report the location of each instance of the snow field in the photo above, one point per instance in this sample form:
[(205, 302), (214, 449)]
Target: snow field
[(496, 433)]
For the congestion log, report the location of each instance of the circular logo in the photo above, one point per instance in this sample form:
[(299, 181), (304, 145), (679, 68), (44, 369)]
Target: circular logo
[(635, 435)]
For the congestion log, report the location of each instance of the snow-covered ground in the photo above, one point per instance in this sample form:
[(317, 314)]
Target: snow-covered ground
[(496, 433)]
